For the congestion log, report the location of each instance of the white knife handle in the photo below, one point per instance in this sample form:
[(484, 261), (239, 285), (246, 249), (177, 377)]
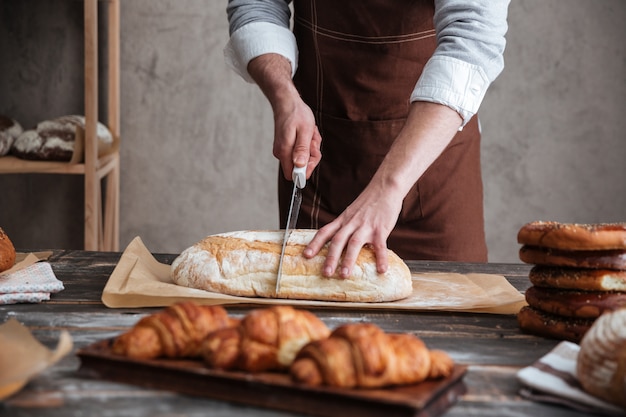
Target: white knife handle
[(299, 176)]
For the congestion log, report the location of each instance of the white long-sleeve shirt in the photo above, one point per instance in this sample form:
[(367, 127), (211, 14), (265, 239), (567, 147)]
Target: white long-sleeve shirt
[(468, 57)]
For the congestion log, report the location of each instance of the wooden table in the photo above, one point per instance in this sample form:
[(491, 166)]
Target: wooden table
[(491, 345)]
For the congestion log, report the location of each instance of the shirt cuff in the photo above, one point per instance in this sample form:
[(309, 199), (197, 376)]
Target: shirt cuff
[(454, 83), (258, 38)]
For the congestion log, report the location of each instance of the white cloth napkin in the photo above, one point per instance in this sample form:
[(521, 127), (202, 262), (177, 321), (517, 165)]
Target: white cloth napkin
[(32, 284), (552, 379)]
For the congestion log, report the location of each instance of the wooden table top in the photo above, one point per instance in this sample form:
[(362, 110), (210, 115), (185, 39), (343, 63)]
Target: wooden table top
[(492, 347)]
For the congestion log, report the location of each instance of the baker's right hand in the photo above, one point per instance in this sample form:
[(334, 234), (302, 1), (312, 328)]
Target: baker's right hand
[(297, 140)]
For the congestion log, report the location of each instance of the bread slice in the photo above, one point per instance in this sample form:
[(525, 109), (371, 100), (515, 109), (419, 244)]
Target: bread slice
[(245, 264)]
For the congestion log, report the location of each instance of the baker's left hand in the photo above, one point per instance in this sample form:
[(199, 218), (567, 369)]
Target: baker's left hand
[(369, 220)]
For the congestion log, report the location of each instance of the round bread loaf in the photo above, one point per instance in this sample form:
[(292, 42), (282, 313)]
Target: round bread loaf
[(7, 252), (571, 303), (9, 131), (573, 236), (245, 264), (583, 279), (539, 323), (54, 140), (597, 259), (601, 362)]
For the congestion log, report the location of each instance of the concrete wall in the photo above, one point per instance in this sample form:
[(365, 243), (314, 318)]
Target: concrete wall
[(196, 151)]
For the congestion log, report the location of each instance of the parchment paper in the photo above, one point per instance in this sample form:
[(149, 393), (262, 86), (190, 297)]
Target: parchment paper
[(139, 280), (22, 356)]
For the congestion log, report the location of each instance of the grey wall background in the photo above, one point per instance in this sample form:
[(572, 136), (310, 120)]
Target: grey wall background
[(196, 139)]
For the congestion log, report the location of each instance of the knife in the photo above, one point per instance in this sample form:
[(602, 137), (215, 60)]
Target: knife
[(299, 181)]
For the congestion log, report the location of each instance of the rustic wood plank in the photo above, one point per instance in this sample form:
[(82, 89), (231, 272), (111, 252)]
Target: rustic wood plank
[(491, 345)]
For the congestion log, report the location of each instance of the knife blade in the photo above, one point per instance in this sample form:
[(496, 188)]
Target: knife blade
[(299, 181)]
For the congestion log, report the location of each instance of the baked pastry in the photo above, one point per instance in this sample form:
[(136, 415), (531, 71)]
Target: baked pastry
[(265, 339), (7, 252), (174, 332), (601, 362), (10, 129), (583, 279), (55, 140), (540, 323), (573, 236), (572, 303), (245, 264), (363, 355), (596, 259)]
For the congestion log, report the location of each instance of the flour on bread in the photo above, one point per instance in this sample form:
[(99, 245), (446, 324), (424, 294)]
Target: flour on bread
[(245, 263)]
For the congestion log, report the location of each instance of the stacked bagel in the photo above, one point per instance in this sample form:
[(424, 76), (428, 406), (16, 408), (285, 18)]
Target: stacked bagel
[(579, 273)]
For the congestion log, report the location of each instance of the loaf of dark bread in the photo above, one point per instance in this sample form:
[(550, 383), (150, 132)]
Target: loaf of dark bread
[(595, 259), (55, 140), (573, 236), (571, 303), (10, 129), (539, 323), (583, 279)]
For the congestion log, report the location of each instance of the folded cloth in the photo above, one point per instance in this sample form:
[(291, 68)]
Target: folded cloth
[(552, 379), (32, 284)]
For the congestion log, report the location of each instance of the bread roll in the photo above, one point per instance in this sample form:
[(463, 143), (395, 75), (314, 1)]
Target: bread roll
[(596, 259), (572, 303), (245, 264), (573, 236), (54, 140), (601, 362), (583, 279), (7, 252), (9, 131)]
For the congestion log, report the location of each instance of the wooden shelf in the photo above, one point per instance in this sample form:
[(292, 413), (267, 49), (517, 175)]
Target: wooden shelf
[(101, 219)]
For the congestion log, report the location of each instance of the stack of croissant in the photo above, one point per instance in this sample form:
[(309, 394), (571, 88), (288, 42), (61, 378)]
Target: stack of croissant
[(284, 339)]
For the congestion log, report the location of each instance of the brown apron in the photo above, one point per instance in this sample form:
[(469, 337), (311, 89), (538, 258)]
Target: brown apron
[(358, 64)]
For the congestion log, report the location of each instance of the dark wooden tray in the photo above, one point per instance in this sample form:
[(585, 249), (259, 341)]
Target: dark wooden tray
[(273, 390)]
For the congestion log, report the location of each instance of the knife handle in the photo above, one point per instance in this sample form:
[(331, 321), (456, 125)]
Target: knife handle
[(299, 176)]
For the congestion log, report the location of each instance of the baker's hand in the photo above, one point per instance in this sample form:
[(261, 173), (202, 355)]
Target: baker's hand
[(297, 140), (369, 220)]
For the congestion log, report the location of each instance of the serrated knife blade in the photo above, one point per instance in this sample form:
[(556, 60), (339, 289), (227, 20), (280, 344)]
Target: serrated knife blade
[(299, 181)]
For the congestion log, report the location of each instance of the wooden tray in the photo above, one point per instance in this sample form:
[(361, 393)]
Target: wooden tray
[(273, 390)]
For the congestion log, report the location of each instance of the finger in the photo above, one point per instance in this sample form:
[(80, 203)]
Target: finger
[(333, 257), (382, 261), (315, 152), (349, 258), (301, 149), (319, 240)]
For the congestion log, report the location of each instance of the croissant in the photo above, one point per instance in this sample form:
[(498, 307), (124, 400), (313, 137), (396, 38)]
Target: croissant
[(175, 332), (265, 339), (361, 355)]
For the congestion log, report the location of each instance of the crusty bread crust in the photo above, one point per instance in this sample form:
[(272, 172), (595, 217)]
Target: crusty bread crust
[(601, 361), (598, 259), (583, 279), (572, 303), (7, 252), (573, 236), (536, 322), (245, 264)]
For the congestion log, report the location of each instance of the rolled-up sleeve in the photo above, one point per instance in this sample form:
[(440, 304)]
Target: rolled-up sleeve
[(258, 28), (469, 54)]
